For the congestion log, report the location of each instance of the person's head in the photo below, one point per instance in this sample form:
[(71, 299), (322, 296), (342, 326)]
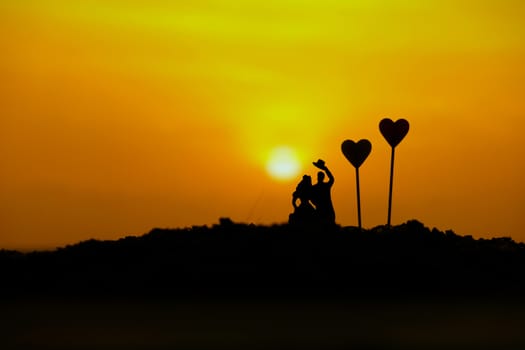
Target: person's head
[(320, 176), (304, 186), (307, 179), (305, 182)]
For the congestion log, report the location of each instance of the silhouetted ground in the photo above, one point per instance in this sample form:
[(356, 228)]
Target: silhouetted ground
[(242, 286), (236, 259)]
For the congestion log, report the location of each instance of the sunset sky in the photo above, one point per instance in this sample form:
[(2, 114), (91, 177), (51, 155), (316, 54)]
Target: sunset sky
[(117, 116)]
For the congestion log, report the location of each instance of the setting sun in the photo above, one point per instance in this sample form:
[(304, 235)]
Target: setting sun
[(283, 163)]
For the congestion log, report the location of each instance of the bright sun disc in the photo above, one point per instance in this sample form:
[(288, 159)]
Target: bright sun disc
[(283, 163)]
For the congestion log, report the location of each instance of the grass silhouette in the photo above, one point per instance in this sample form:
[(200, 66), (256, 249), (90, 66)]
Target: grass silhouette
[(232, 259), (240, 286)]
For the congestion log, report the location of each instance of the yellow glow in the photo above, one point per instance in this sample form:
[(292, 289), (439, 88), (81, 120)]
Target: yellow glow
[(296, 120), (121, 115), (283, 163)]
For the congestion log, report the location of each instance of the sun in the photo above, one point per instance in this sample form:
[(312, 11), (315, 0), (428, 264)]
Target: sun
[(283, 163)]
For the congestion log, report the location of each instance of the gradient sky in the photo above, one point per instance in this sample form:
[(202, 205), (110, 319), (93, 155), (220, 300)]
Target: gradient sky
[(120, 116)]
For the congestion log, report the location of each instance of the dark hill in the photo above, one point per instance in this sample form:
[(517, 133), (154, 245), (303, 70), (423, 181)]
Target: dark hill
[(231, 259)]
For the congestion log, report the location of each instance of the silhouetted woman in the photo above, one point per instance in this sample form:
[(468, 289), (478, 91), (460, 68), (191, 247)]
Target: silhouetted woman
[(304, 213)]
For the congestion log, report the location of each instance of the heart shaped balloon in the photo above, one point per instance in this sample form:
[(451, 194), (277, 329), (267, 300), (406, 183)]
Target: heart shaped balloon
[(356, 153), (394, 132)]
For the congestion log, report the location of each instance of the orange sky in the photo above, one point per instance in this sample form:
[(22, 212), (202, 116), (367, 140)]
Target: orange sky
[(120, 116)]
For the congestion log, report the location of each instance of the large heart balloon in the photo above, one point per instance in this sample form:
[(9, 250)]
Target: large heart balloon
[(394, 132), (356, 153)]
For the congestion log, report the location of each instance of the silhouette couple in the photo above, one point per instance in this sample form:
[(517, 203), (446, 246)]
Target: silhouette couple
[(315, 202)]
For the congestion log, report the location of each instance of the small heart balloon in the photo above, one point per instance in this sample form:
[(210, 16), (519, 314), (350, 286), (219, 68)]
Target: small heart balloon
[(394, 132), (356, 153)]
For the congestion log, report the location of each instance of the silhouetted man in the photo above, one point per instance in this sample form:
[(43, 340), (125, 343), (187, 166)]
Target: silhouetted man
[(321, 196)]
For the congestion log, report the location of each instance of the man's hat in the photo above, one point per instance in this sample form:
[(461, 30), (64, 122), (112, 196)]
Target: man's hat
[(319, 163)]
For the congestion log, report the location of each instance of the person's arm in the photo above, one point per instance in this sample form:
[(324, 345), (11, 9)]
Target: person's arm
[(330, 176), (321, 165), (294, 200)]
